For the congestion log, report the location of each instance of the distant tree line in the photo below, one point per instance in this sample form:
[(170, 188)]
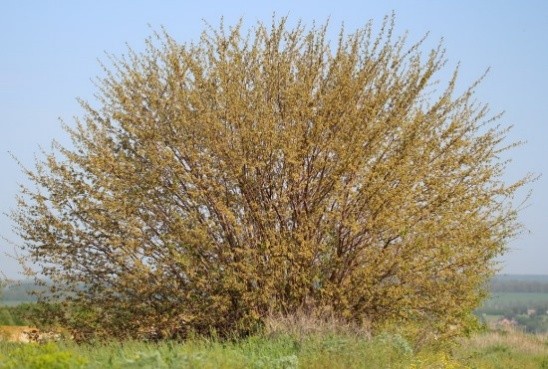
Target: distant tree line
[(20, 291), (533, 323)]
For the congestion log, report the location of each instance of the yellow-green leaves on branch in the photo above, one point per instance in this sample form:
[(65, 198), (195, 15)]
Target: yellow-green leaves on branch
[(269, 172)]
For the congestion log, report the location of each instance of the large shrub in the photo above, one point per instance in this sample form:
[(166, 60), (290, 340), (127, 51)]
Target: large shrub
[(271, 172)]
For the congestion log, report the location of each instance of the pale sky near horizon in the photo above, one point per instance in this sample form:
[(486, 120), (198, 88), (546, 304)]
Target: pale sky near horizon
[(50, 51)]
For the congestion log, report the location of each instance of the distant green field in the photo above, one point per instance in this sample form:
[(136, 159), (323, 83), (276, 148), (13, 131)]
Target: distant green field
[(521, 297), (542, 278), (515, 299)]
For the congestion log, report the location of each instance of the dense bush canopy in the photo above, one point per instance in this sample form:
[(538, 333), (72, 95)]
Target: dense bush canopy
[(273, 172)]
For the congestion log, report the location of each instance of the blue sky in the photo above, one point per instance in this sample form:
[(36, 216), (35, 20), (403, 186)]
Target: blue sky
[(49, 53)]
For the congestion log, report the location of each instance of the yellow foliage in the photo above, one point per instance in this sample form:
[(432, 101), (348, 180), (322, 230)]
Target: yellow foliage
[(248, 174)]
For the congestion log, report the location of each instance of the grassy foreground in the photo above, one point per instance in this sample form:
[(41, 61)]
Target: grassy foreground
[(488, 350)]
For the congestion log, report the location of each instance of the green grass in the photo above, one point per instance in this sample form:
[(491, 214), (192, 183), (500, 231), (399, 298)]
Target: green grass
[(503, 350), (281, 352), (255, 352), (489, 350)]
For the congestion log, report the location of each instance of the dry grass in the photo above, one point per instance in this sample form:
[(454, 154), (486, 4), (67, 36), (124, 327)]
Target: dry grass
[(517, 341), (11, 333), (302, 324)]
